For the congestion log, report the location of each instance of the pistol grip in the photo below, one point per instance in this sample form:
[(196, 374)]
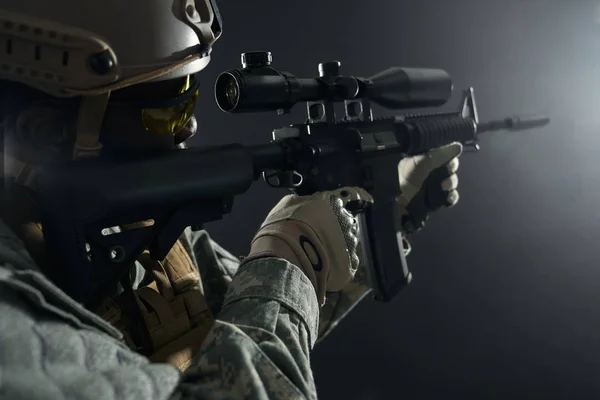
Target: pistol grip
[(383, 248)]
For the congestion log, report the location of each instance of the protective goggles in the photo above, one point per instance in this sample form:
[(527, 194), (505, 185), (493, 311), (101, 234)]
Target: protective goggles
[(166, 115), (170, 116)]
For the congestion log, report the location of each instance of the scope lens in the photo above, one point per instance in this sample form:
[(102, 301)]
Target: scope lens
[(227, 92), (231, 92)]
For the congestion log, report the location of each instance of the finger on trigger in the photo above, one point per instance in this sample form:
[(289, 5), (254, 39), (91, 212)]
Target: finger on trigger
[(364, 195), (450, 183), (452, 198), (453, 165)]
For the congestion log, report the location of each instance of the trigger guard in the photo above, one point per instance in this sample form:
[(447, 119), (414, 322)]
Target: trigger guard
[(271, 179), (278, 179)]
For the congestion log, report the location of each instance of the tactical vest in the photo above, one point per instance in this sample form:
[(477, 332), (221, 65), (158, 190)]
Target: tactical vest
[(166, 320)]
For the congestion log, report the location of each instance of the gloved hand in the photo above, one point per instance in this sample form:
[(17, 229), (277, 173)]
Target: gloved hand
[(427, 182), (315, 233)]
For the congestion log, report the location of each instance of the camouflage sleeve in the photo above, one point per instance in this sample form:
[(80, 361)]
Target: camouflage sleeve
[(339, 304), (260, 343), (217, 266)]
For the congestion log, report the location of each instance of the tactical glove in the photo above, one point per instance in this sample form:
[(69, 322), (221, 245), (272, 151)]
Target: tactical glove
[(315, 233), (427, 183)]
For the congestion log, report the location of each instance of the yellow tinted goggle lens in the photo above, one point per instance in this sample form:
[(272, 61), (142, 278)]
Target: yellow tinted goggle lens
[(170, 120)]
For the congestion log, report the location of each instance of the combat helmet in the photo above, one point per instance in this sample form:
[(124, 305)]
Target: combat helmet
[(72, 48)]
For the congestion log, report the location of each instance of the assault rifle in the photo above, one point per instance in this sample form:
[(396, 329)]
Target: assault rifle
[(190, 187)]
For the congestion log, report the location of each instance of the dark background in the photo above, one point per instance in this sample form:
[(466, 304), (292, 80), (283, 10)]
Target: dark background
[(505, 299)]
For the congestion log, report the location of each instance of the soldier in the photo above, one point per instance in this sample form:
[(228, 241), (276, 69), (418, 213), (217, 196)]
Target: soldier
[(108, 79)]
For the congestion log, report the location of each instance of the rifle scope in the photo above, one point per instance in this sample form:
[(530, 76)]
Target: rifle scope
[(257, 86)]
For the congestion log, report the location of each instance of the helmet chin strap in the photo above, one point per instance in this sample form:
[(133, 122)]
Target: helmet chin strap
[(89, 124)]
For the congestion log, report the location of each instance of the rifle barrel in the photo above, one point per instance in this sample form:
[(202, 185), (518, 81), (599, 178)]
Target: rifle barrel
[(517, 123)]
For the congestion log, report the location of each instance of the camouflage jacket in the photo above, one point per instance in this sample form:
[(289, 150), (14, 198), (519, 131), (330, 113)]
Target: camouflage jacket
[(258, 348)]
